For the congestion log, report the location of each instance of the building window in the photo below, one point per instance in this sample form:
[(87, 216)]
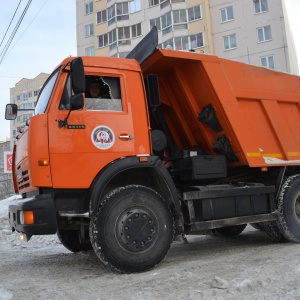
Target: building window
[(166, 23), (155, 22), (120, 54), (168, 44), (153, 2), (118, 12), (227, 14), (267, 62), (181, 43), (136, 30), (89, 30), (122, 11), (180, 19), (197, 40), (111, 14), (88, 8), (112, 39), (194, 13), (89, 51), (164, 3), (229, 42), (101, 16), (134, 6), (260, 6), (264, 34), (102, 40), (124, 36), (185, 42)]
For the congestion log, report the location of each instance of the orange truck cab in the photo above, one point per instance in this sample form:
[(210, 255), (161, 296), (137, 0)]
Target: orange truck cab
[(121, 155)]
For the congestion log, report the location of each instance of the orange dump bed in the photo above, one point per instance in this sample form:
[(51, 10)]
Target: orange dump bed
[(258, 110)]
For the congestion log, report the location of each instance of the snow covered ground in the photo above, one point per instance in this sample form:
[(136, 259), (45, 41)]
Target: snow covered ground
[(249, 266)]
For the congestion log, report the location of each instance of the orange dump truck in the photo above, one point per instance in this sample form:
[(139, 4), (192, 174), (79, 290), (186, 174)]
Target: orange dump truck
[(174, 143)]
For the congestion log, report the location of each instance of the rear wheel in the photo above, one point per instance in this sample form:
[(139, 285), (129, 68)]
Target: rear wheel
[(231, 230), (287, 227), (289, 209), (271, 229), (71, 240), (133, 229)]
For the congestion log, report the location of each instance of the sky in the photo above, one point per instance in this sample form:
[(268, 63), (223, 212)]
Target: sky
[(46, 36)]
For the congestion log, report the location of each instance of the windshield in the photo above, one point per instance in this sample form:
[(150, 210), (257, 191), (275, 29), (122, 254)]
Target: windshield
[(45, 94)]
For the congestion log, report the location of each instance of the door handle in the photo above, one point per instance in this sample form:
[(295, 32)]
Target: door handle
[(126, 137)]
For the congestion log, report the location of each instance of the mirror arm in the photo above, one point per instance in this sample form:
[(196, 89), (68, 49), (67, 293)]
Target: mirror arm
[(64, 123)]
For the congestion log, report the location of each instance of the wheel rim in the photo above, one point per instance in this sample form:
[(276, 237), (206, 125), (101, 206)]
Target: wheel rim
[(136, 229)]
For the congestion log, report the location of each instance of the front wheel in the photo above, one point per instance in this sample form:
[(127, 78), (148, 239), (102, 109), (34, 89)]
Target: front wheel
[(133, 229)]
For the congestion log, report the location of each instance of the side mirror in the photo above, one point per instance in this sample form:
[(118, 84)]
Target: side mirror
[(77, 75), (77, 102), (11, 111), (152, 90)]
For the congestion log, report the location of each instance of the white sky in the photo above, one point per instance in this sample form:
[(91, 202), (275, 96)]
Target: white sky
[(46, 36)]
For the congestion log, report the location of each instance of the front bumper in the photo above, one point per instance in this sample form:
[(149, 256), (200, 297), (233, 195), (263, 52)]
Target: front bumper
[(44, 213)]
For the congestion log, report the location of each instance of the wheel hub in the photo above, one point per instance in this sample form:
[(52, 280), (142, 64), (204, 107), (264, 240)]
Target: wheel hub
[(136, 229)]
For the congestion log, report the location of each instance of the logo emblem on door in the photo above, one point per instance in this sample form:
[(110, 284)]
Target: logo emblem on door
[(103, 137)]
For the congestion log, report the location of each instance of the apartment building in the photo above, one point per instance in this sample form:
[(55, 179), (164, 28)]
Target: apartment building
[(250, 31), (113, 28), (256, 32), (24, 94)]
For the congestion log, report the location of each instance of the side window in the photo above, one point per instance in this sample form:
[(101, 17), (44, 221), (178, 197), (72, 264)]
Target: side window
[(103, 93), (67, 93)]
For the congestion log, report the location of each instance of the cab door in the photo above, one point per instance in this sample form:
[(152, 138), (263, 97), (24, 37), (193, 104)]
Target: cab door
[(103, 131)]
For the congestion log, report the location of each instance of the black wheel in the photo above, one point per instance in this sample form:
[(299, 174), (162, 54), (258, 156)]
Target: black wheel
[(70, 239), (133, 229), (272, 230), (231, 230), (289, 209)]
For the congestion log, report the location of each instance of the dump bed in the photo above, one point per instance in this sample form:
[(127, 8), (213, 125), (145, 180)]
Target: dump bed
[(251, 113)]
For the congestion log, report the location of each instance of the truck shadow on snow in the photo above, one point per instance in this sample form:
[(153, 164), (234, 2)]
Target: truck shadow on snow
[(200, 249)]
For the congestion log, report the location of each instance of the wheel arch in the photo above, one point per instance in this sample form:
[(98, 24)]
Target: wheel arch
[(130, 170)]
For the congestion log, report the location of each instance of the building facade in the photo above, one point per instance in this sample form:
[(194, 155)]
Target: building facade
[(251, 31), (113, 28), (24, 94), (6, 187), (256, 32)]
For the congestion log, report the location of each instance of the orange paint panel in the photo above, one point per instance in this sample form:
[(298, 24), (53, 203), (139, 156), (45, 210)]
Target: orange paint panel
[(78, 155), (257, 108), (38, 150)]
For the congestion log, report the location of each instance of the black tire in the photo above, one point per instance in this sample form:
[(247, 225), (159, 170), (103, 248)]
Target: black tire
[(133, 229), (70, 240), (230, 230), (289, 209), (272, 230)]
